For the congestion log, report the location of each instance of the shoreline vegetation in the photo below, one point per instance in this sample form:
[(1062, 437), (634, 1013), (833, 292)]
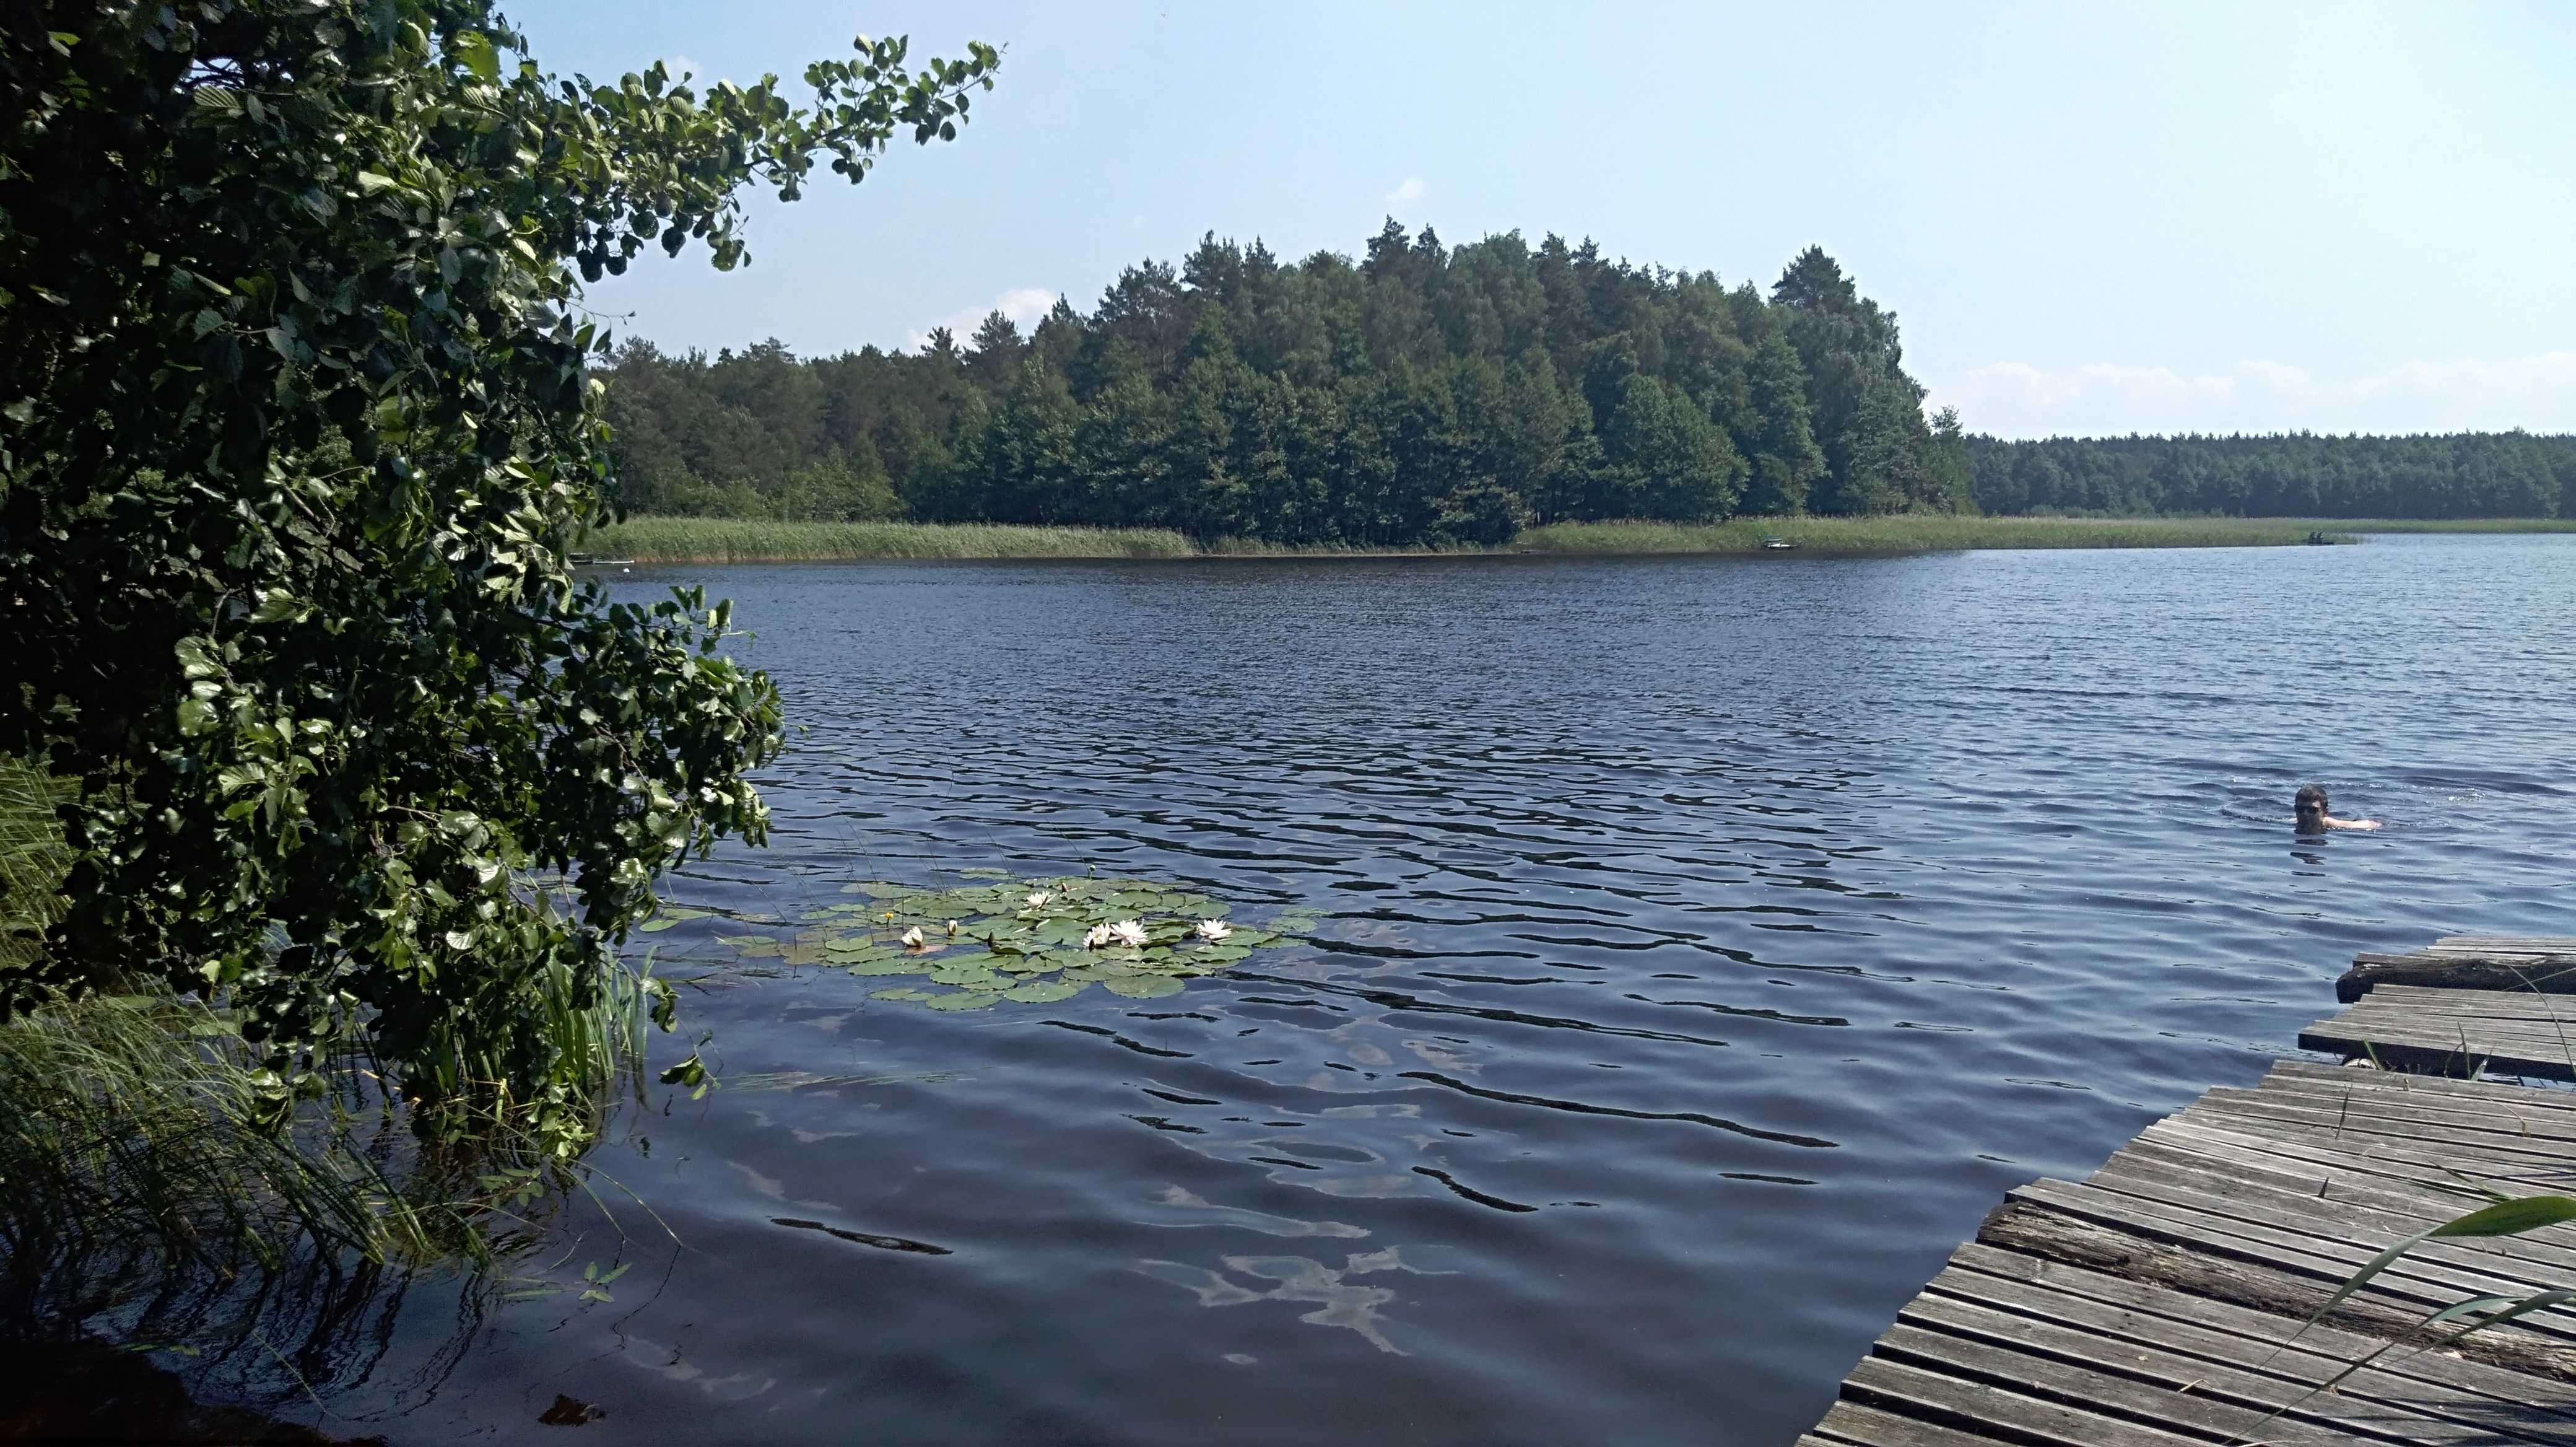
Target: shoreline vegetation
[(728, 540)]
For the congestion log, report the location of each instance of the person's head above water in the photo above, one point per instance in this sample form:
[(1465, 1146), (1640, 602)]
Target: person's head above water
[(2310, 802)]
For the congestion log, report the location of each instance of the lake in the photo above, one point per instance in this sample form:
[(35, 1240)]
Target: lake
[(1705, 946)]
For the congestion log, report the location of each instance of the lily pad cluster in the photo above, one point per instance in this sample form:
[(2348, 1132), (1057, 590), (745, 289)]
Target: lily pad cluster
[(1031, 940)]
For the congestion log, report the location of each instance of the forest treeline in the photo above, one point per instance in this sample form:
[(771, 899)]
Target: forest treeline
[(1418, 394), (2466, 475), (1424, 394)]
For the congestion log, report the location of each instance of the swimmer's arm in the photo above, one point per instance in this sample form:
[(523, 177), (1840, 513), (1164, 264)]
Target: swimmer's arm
[(2352, 823)]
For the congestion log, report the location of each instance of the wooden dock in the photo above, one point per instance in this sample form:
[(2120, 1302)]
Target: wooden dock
[(2161, 1302)]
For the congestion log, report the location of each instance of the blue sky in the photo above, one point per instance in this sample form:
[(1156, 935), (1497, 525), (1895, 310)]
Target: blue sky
[(2089, 218)]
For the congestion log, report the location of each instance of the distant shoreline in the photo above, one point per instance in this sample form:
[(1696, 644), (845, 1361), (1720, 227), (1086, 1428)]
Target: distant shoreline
[(723, 540)]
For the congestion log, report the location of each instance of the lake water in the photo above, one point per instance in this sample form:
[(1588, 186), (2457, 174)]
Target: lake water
[(1707, 945)]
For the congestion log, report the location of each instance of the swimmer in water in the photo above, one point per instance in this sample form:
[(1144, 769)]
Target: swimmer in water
[(2313, 818)]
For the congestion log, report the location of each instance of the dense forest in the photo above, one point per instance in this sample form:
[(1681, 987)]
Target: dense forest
[(2470, 475), (1425, 394), (1419, 394)]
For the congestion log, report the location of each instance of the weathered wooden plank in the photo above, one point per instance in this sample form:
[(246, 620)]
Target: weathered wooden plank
[(2449, 1053), (2419, 1284), (1997, 1411), (1850, 1422), (2432, 1087), (2502, 1153), (2145, 1381), (2404, 1203), (2393, 1121), (2146, 1256), (2532, 1408), (2371, 1092), (2277, 1115), (2508, 944), (2334, 1240), (2458, 970), (2064, 1367), (2536, 1007), (2367, 1104), (2362, 1217), (2328, 1170), (2536, 1172)]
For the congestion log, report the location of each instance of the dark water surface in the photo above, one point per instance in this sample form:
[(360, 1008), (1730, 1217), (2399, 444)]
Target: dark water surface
[(1709, 943)]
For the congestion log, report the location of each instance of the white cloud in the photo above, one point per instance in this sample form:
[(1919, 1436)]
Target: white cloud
[(1022, 304), (2017, 399), (1405, 195)]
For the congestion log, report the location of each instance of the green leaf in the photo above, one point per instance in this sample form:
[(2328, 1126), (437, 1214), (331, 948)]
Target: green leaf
[(475, 51), (2510, 1218)]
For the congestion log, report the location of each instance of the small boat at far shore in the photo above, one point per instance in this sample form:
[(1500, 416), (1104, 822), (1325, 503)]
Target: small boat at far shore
[(1777, 545)]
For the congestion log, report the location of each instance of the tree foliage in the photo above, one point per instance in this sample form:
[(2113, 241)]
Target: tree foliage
[(297, 429), (1418, 394), (2466, 475)]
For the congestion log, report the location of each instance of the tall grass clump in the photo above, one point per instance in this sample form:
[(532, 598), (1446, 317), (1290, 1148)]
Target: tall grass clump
[(158, 1185)]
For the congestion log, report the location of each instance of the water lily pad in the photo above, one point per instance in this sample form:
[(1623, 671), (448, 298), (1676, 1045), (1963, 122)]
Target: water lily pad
[(963, 1000), (1002, 947), (1045, 992)]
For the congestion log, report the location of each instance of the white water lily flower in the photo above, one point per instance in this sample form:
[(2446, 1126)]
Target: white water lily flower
[(1038, 900), (1126, 932), (912, 938), (1212, 930)]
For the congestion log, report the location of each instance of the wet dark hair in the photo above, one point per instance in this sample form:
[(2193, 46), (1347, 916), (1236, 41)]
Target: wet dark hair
[(2311, 799)]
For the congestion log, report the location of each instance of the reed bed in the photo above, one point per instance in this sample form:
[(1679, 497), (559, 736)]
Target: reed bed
[(720, 540), (2460, 525), (1908, 533), (724, 540)]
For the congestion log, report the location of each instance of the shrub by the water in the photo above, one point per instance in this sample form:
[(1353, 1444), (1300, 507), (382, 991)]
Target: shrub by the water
[(295, 455)]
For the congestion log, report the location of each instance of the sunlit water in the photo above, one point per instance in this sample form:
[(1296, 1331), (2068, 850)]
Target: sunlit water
[(1709, 944)]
